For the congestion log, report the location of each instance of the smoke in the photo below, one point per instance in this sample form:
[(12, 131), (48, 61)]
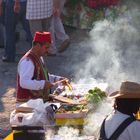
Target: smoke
[(91, 128), (112, 51), (68, 133), (95, 119), (63, 133), (109, 54)]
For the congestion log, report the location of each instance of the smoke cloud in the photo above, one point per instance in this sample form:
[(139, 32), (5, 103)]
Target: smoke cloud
[(110, 52), (95, 119)]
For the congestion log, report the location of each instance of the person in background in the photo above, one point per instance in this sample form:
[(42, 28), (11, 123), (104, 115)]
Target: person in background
[(121, 124), (39, 14), (58, 32), (33, 79), (14, 11), (2, 36)]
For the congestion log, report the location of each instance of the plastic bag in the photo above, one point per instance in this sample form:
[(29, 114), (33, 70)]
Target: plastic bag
[(41, 114)]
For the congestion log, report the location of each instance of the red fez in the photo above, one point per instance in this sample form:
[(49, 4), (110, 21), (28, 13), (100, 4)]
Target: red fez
[(42, 37)]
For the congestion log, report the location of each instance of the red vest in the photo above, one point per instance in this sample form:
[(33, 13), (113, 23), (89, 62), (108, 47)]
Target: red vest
[(24, 95)]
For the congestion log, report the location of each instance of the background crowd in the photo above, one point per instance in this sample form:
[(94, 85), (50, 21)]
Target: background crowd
[(46, 15), (34, 16)]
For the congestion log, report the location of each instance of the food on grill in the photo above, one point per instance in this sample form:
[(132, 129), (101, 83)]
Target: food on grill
[(95, 95), (74, 103), (72, 109)]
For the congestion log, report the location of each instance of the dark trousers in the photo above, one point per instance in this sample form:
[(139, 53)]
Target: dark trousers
[(11, 20), (2, 27)]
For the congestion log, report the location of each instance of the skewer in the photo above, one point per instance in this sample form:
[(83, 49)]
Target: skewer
[(66, 83)]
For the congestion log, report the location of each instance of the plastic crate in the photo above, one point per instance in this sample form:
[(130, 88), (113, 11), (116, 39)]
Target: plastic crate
[(71, 119)]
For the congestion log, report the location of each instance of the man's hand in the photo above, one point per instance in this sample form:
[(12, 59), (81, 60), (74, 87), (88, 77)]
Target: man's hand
[(65, 82), (17, 7), (48, 85)]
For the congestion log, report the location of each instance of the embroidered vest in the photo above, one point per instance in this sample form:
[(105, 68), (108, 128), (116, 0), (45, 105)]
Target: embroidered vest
[(24, 95)]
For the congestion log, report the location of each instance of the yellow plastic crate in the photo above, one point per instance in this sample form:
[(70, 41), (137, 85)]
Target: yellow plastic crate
[(71, 118), (67, 121), (9, 137)]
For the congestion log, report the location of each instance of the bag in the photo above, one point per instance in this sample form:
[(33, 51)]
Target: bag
[(33, 113), (118, 131), (36, 118)]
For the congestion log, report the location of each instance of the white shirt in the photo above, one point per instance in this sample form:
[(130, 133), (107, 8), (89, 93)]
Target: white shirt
[(26, 72), (132, 132), (39, 9)]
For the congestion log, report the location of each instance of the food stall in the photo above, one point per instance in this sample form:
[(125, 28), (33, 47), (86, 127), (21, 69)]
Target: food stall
[(75, 106)]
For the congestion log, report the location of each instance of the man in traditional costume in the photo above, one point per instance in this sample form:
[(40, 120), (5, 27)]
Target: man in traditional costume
[(33, 79)]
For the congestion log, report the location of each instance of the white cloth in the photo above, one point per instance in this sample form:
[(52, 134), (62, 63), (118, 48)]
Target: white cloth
[(115, 119), (39, 9), (26, 72)]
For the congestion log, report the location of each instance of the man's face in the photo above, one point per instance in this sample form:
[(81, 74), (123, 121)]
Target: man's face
[(45, 49)]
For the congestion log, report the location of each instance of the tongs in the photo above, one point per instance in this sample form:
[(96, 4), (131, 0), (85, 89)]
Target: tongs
[(64, 82)]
